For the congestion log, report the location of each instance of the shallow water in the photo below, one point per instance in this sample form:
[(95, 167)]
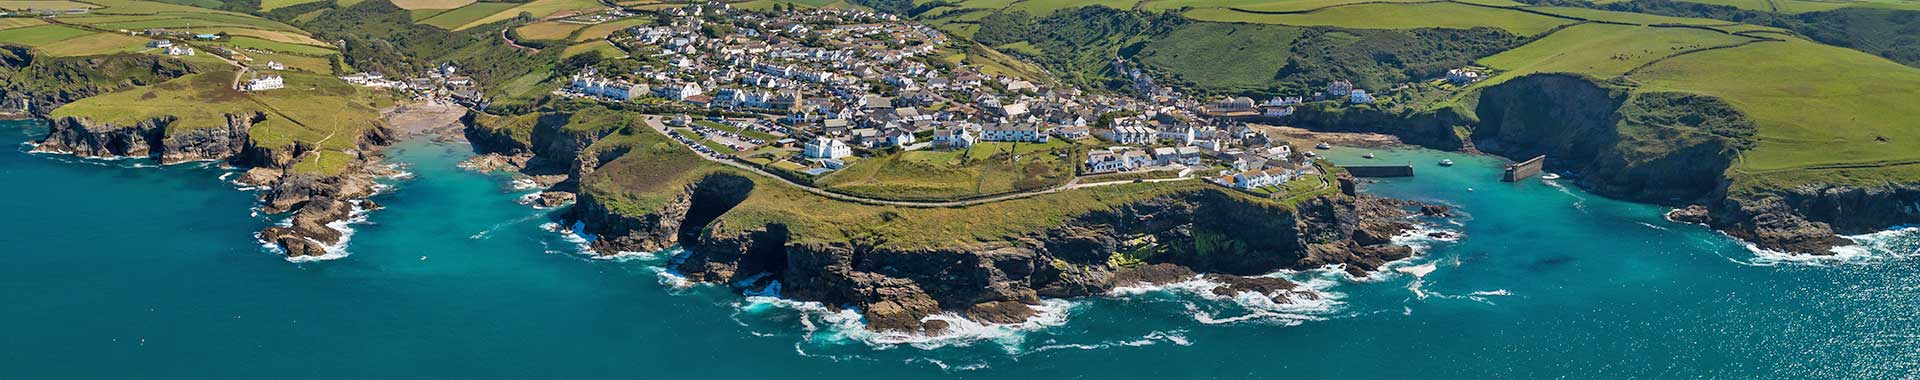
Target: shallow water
[(117, 271)]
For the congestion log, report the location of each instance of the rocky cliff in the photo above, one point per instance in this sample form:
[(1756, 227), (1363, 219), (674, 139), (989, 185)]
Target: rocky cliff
[(157, 138), (1162, 239), (1675, 149), (314, 200)]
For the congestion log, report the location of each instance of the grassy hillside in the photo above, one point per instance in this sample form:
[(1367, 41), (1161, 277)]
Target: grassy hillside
[(1394, 16), (1602, 51), (984, 169), (1817, 106)]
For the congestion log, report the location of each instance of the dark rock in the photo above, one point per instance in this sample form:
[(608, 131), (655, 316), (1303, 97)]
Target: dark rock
[(1439, 211), (1694, 214), (1003, 312), (553, 199)]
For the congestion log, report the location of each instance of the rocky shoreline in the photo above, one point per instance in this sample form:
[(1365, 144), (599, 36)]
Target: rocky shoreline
[(312, 202), (1206, 234)]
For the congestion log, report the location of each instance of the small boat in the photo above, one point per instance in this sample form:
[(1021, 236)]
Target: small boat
[(1323, 146), (1549, 176), (1446, 162), (1368, 155), (1312, 154)]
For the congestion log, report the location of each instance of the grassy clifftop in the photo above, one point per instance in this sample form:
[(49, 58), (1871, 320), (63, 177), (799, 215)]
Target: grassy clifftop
[(644, 172)]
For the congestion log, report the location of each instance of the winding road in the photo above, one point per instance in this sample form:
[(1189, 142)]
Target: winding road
[(653, 121)]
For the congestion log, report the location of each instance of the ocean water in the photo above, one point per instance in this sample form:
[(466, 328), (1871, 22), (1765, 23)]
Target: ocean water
[(119, 269)]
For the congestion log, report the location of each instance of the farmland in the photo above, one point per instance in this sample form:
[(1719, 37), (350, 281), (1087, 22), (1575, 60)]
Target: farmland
[(1395, 16)]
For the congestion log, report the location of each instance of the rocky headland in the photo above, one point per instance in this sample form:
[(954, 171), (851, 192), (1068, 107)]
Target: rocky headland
[(1195, 232), (311, 201)]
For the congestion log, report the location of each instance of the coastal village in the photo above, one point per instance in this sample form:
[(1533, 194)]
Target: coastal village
[(807, 92)]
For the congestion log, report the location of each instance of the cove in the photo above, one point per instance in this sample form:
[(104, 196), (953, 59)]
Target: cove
[(119, 269)]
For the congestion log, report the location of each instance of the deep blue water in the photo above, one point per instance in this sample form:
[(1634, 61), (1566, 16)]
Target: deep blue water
[(117, 269)]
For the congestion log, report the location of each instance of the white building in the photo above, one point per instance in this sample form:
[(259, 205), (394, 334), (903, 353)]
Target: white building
[(180, 50), (825, 148), (1129, 134), (1359, 96), (275, 65), (586, 83), (682, 91), (267, 82), (957, 137), (1013, 132), (159, 44)]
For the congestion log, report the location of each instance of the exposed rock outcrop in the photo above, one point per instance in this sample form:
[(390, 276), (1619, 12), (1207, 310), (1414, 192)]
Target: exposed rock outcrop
[(157, 138)]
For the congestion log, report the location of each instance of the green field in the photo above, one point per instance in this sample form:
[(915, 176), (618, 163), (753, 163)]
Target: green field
[(95, 44), (602, 30), (547, 30), (22, 5), (1627, 17), (1396, 16), (430, 4), (282, 47), (605, 48), (269, 5), (1804, 6), (1600, 50), (40, 36), (1041, 8), (1816, 105), (462, 16), (539, 8), (1237, 56), (1260, 5), (13, 22), (984, 169)]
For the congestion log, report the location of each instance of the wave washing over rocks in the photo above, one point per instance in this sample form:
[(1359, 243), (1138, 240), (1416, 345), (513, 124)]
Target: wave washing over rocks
[(1896, 243)]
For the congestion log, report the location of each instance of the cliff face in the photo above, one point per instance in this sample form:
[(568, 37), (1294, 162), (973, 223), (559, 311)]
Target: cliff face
[(1675, 149), (155, 138), (1163, 239), (1578, 125)]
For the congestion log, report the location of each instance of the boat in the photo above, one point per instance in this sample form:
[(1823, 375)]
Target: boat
[(1446, 162), (1549, 176), (1323, 146), (1368, 155)]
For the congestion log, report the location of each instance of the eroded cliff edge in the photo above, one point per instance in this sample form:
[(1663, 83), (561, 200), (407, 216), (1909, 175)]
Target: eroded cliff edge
[(1678, 149)]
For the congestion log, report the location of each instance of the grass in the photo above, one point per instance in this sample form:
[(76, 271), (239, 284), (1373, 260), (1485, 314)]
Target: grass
[(325, 162), (1259, 5), (95, 44), (1396, 16), (317, 110), (430, 4), (993, 62), (270, 5), (37, 36), (1237, 56), (984, 169), (1627, 17), (1600, 50), (653, 172), (462, 16), (15, 22), (1804, 6), (602, 30), (605, 48), (21, 5), (548, 30), (1042, 8), (261, 44), (538, 8), (1816, 106)]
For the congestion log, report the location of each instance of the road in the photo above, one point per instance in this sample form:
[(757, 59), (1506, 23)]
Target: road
[(653, 121)]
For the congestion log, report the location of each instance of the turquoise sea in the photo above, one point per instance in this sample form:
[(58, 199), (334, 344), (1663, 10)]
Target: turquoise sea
[(119, 269)]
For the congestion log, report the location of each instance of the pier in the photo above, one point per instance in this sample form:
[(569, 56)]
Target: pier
[(1379, 171), (1524, 169)]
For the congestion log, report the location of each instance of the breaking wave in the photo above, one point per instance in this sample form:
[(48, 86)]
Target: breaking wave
[(826, 326), (1896, 243), (1311, 301)]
